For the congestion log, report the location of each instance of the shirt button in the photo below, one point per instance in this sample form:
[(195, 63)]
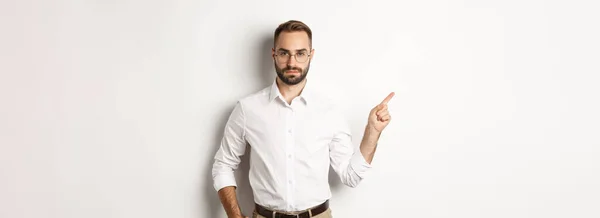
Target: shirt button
[(289, 156), (290, 130), (290, 182)]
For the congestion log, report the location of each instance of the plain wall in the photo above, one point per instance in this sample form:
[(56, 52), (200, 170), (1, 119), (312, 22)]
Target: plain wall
[(116, 108)]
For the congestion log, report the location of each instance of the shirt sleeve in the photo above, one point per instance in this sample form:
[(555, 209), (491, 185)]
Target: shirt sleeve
[(233, 146), (346, 160)]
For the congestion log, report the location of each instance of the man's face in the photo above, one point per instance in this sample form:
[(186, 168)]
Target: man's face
[(288, 68)]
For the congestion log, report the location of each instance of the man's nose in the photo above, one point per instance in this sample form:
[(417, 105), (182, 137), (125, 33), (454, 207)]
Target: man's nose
[(292, 60)]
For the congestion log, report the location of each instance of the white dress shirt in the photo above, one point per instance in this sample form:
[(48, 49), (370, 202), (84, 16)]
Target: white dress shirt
[(292, 146)]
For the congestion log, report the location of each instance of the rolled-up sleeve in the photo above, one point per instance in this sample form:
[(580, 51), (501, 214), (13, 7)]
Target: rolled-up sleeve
[(346, 159), (233, 146)]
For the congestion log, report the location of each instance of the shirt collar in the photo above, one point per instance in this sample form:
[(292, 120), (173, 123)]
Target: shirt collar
[(305, 94)]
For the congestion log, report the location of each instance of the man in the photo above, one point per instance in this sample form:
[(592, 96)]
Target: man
[(294, 136)]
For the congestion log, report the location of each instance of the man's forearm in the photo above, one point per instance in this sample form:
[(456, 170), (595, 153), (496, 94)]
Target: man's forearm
[(229, 201), (368, 144)]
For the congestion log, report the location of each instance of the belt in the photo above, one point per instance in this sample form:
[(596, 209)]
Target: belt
[(307, 214)]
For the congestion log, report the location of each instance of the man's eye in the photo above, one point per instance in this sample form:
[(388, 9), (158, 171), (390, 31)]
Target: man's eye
[(301, 54), (283, 53)]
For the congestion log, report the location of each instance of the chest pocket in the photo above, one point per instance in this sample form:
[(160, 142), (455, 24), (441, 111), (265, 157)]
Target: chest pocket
[(317, 136)]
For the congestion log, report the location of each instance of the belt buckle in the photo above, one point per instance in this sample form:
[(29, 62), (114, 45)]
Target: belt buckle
[(297, 215)]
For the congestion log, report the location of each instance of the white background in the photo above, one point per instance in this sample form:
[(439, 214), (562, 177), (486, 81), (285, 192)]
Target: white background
[(116, 108)]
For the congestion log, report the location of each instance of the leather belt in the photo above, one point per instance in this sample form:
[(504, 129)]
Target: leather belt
[(307, 214)]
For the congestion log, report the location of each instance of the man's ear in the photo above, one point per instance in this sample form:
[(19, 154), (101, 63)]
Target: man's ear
[(273, 52), (312, 53)]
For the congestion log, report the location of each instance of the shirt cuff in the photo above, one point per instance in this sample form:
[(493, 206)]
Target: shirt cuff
[(224, 180), (359, 164)]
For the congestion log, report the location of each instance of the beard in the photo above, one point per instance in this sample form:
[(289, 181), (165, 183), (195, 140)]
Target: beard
[(291, 79)]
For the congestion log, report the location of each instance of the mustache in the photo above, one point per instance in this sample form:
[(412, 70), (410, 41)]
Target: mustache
[(292, 68)]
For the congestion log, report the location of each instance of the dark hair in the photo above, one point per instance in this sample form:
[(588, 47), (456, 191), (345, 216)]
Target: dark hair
[(292, 26)]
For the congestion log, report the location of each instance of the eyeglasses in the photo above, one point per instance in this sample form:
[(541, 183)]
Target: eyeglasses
[(284, 56)]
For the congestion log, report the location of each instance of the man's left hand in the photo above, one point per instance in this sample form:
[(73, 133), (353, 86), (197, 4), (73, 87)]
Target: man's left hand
[(380, 117)]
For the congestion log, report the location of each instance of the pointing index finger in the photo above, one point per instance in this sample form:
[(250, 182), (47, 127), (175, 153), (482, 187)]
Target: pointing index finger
[(388, 98)]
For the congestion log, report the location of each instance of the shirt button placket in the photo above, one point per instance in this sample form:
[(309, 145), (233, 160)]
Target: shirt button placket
[(290, 123)]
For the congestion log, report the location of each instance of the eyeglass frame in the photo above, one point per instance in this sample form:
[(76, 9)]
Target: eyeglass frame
[(295, 57)]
